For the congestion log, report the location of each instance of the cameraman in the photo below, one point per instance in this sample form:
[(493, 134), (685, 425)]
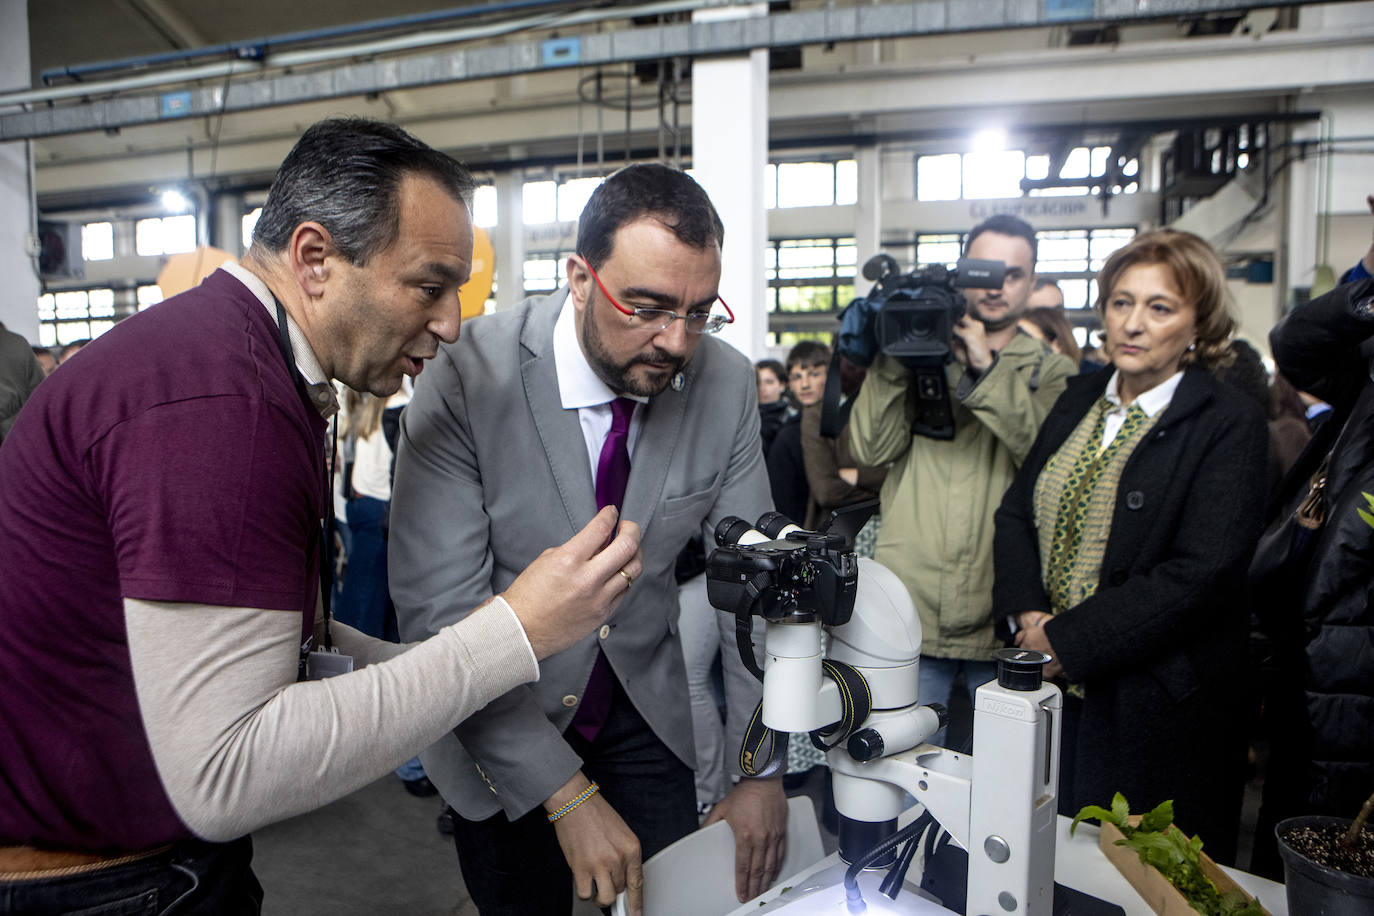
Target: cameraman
[(939, 496)]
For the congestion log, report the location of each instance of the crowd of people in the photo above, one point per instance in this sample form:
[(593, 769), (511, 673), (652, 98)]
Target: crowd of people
[(175, 678)]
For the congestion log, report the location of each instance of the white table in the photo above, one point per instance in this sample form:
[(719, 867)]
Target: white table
[(1078, 864)]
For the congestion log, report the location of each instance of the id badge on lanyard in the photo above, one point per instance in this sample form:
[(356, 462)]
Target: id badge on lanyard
[(325, 661)]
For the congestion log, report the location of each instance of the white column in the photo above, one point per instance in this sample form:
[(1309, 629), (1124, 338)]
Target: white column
[(729, 156), (508, 239), (1304, 203), (868, 215), (228, 223), (18, 305)]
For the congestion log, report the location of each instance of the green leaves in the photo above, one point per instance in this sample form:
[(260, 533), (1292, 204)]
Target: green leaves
[(1171, 852), (1365, 514), (1119, 815), (1158, 819)]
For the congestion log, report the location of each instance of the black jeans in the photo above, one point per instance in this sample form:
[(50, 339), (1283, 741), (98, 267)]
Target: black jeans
[(193, 878), (517, 868)]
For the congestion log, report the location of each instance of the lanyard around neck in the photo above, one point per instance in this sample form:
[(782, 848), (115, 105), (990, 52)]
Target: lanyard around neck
[(288, 354)]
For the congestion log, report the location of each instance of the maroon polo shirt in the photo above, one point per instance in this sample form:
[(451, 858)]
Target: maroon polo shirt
[(173, 459)]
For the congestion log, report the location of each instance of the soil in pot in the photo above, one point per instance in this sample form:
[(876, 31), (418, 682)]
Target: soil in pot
[(1321, 843)]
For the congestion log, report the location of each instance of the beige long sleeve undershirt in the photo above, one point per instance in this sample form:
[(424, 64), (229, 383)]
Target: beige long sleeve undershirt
[(238, 743)]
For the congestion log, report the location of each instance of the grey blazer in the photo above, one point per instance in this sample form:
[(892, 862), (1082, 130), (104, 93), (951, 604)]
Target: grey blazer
[(491, 470)]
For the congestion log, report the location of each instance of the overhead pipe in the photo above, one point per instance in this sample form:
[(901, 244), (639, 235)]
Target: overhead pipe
[(257, 48), (380, 46)]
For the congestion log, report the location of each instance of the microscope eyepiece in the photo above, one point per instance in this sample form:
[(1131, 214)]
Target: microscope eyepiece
[(1020, 669), (730, 529)]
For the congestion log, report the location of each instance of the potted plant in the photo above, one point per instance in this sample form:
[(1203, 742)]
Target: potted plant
[(1328, 863), (1169, 870)]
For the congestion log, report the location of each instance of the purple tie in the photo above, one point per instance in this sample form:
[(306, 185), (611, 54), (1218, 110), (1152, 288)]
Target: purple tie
[(612, 473)]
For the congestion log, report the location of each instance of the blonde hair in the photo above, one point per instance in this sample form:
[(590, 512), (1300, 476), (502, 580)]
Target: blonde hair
[(364, 413), (1200, 278)]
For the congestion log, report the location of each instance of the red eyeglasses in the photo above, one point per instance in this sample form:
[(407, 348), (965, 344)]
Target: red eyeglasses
[(650, 319)]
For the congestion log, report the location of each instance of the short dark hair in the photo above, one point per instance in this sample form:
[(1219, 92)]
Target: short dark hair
[(1042, 282), (806, 354), (772, 365), (345, 174), (1005, 224), (647, 189)]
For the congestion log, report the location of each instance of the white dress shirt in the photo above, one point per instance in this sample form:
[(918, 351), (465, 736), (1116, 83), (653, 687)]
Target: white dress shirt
[(581, 389), (1154, 401)]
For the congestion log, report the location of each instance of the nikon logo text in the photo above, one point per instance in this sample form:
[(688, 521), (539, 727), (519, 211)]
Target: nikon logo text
[(1007, 710)]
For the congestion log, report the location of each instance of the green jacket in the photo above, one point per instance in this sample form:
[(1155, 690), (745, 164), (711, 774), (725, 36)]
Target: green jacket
[(939, 496)]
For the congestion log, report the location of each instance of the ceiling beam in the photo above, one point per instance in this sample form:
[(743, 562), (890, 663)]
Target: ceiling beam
[(781, 30)]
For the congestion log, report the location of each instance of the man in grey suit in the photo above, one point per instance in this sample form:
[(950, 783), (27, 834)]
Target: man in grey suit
[(512, 442)]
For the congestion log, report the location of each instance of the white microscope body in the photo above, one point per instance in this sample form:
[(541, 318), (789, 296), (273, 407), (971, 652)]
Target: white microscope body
[(998, 804)]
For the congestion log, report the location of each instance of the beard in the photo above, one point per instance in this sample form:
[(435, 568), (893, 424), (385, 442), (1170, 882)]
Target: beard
[(1012, 316), (620, 375)]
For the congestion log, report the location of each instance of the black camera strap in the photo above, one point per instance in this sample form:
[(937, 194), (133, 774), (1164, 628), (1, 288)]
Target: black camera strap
[(856, 702), (765, 749), (830, 401), (744, 621)]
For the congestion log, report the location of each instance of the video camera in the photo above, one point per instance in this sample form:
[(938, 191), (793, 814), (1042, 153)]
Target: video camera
[(911, 317)]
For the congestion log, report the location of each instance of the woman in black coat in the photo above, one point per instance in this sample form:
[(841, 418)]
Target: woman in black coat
[(1122, 545)]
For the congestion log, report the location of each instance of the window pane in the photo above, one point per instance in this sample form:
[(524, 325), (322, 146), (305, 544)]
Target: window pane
[(572, 197), (806, 259), (148, 237), (97, 241), (47, 335), (812, 298), (68, 331), (1075, 292), (1076, 191), (542, 272), (45, 307), (1100, 154), (178, 234), (1037, 167), (485, 212), (250, 222), (1105, 241), (72, 304), (540, 204), (993, 174), (1076, 164), (100, 327), (101, 301), (806, 184), (770, 186), (1062, 251), (938, 177), (846, 182), (936, 249), (789, 339), (149, 296)]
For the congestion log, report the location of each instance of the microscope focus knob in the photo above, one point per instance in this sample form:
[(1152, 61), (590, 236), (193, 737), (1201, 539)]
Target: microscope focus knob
[(866, 744)]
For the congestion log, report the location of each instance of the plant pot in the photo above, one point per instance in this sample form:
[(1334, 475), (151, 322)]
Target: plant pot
[(1153, 887), (1316, 890)]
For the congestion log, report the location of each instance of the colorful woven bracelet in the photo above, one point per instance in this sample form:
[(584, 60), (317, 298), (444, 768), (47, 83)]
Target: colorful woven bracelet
[(586, 794)]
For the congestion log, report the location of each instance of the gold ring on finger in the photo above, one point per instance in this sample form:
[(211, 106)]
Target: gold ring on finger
[(629, 579)]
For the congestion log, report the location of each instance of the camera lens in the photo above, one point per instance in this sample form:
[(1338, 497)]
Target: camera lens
[(730, 529), (773, 524)]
